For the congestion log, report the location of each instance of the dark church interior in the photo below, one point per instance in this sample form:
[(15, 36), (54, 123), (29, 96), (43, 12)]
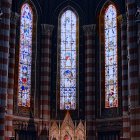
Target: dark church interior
[(69, 69)]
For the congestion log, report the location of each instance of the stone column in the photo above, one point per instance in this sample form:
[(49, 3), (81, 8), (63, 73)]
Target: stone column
[(89, 33), (124, 53), (4, 52), (45, 73), (138, 36), (133, 82), (11, 67)]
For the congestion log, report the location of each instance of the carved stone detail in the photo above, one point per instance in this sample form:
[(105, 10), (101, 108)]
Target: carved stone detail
[(89, 28), (122, 19), (138, 14), (1, 13), (14, 17), (47, 29), (67, 130), (109, 124), (25, 125)]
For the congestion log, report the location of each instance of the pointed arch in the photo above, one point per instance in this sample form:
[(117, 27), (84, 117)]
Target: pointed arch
[(68, 59), (109, 59), (25, 55), (111, 64)]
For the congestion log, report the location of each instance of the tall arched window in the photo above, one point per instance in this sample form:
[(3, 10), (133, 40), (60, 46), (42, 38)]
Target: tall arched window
[(111, 61), (25, 56), (68, 58)]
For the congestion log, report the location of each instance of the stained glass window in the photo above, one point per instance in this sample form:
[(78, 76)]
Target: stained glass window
[(111, 66), (68, 58), (25, 56)]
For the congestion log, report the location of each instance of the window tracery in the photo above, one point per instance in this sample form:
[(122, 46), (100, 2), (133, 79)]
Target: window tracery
[(111, 64), (68, 60), (25, 56)]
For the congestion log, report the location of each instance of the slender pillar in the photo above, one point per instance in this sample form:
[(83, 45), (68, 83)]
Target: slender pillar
[(138, 36), (10, 91), (89, 32), (133, 83), (45, 73), (4, 52), (124, 53)]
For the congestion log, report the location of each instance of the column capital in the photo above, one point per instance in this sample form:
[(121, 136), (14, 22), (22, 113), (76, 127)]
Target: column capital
[(14, 17), (47, 29), (1, 13), (122, 19), (89, 28), (138, 15)]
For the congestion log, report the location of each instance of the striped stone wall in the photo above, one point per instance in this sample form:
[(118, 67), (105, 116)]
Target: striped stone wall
[(45, 74), (4, 53), (124, 54), (89, 33), (10, 91), (133, 71)]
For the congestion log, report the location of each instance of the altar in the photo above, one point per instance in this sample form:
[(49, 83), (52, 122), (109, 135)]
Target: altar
[(67, 129)]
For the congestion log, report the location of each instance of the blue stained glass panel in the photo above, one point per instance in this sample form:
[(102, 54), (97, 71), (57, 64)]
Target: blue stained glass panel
[(111, 66), (25, 56), (68, 61)]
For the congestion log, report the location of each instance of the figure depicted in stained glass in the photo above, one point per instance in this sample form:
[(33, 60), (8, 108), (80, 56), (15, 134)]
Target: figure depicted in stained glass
[(68, 61), (66, 137), (111, 66), (25, 56)]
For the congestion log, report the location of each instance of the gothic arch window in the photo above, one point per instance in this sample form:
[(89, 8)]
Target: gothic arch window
[(111, 66), (25, 55), (109, 60), (68, 59)]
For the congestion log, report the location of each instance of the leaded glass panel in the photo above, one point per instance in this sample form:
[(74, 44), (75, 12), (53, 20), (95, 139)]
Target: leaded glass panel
[(68, 61), (111, 66), (25, 56)]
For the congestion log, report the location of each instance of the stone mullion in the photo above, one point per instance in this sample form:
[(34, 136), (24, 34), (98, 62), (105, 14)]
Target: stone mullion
[(89, 31), (4, 52), (45, 73)]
